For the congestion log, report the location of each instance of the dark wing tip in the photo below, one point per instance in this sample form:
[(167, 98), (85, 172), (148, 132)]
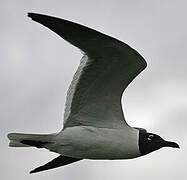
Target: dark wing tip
[(33, 171), (34, 16), (38, 169), (38, 17), (57, 162), (42, 168), (31, 15)]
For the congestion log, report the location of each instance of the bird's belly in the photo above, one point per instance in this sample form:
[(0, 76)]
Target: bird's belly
[(98, 143)]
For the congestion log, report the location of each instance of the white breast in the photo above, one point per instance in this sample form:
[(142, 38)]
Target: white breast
[(98, 143)]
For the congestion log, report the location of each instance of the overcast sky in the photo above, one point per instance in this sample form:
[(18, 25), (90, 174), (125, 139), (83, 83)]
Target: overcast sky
[(36, 67)]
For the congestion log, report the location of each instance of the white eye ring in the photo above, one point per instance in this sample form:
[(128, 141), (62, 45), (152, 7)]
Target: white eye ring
[(150, 137)]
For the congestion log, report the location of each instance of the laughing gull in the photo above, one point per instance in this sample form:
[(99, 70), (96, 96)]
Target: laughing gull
[(94, 124)]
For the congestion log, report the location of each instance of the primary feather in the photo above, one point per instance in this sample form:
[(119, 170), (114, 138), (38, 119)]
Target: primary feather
[(106, 69)]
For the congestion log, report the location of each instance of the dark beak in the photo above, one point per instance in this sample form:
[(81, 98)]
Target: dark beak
[(171, 144)]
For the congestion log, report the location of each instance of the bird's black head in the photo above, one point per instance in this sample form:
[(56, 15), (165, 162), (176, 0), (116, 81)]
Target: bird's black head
[(149, 142)]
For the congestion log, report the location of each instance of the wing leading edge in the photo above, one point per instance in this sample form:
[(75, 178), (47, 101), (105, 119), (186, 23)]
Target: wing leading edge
[(106, 69)]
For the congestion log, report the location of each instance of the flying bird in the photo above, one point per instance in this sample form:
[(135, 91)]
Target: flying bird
[(94, 124)]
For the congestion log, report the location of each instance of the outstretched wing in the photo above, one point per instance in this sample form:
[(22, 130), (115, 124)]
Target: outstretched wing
[(57, 162), (106, 69)]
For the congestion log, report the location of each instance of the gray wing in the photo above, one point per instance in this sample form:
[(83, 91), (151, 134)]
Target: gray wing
[(106, 69)]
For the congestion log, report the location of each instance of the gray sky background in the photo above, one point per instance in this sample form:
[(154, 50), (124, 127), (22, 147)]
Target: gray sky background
[(36, 67)]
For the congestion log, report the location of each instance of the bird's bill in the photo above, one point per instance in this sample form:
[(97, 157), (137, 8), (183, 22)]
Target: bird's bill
[(171, 144)]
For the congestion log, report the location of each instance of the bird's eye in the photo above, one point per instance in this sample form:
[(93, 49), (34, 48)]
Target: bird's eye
[(150, 137)]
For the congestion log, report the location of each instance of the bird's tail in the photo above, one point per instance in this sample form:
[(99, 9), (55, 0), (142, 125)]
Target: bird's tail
[(29, 140)]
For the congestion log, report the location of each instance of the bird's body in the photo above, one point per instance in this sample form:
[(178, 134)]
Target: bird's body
[(94, 124), (88, 142)]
